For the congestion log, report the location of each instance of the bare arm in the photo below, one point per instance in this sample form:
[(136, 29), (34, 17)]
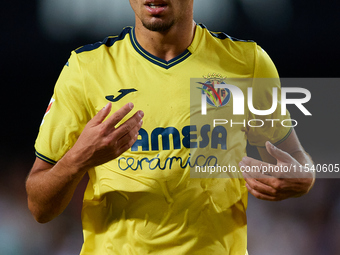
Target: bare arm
[(51, 187), (280, 185)]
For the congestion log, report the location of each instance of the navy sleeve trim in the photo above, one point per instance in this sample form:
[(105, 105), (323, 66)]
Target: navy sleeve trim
[(44, 158), (222, 36), (280, 141), (108, 41)]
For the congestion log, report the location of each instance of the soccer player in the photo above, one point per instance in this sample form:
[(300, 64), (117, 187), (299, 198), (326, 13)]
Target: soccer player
[(140, 198)]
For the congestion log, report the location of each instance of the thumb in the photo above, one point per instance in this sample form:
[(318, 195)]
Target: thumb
[(277, 153), (102, 114)]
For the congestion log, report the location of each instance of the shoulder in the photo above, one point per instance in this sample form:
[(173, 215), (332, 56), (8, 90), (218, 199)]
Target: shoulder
[(245, 53), (229, 47), (230, 43), (110, 43)]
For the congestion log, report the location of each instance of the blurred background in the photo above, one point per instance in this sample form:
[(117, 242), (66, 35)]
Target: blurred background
[(36, 40)]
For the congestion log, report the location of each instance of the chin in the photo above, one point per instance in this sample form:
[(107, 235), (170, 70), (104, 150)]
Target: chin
[(158, 26)]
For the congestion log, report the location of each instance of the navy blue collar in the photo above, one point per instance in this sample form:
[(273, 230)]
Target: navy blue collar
[(156, 60)]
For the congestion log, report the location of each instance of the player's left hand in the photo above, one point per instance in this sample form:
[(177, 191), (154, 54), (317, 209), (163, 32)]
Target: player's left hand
[(276, 182)]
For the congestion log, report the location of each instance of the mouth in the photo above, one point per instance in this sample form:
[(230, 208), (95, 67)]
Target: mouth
[(156, 7)]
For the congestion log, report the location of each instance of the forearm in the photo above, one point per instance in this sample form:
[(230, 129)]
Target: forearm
[(50, 190)]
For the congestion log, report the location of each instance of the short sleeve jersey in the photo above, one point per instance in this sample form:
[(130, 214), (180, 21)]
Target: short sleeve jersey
[(144, 201)]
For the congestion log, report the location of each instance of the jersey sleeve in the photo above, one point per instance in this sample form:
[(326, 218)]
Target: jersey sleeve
[(66, 115), (274, 127)]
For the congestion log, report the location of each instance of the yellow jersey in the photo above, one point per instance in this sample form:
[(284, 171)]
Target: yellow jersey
[(144, 201)]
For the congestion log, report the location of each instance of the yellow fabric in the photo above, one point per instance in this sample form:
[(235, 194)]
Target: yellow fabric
[(144, 202)]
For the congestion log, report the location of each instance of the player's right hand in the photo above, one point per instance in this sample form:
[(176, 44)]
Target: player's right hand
[(101, 141)]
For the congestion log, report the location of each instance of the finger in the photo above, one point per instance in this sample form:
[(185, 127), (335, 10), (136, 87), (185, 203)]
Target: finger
[(132, 135), (278, 197), (262, 187), (272, 179), (269, 181), (277, 153), (102, 114), (127, 141), (126, 145), (127, 126), (116, 117), (260, 195)]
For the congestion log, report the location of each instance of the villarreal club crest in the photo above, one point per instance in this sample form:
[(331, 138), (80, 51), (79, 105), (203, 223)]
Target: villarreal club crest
[(216, 97)]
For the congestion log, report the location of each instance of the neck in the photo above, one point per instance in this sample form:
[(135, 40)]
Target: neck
[(166, 45)]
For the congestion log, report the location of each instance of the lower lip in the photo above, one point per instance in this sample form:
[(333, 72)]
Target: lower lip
[(156, 11)]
